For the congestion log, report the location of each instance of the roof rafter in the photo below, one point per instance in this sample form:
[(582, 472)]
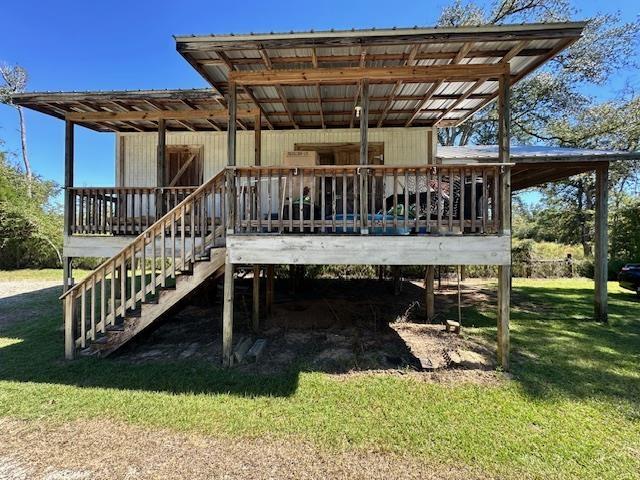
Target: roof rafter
[(398, 86), (281, 94)]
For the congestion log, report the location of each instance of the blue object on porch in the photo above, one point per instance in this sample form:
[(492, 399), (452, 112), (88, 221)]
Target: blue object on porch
[(375, 225)]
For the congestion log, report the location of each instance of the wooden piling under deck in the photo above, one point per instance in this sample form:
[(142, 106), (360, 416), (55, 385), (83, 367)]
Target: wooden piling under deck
[(227, 314)]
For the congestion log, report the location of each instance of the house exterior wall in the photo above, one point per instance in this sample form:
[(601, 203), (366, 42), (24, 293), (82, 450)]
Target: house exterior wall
[(136, 152)]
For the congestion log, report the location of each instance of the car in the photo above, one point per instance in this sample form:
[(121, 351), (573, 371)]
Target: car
[(629, 277)]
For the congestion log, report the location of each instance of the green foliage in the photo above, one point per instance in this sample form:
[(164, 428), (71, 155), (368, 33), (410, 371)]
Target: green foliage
[(30, 227), (625, 231)]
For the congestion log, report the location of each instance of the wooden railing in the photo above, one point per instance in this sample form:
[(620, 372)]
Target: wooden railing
[(121, 210), (170, 244), (379, 200)]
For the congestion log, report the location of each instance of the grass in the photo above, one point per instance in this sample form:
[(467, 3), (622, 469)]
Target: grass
[(45, 274), (570, 410)]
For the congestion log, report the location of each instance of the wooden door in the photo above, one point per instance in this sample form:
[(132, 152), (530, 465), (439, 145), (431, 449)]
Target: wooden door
[(183, 166)]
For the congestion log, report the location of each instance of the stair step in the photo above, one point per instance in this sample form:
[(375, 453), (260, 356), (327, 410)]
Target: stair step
[(118, 327)]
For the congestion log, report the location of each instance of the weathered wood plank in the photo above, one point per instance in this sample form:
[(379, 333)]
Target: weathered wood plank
[(369, 250)]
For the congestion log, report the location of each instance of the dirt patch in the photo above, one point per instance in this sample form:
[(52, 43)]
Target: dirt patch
[(109, 450), (21, 300), (332, 326)]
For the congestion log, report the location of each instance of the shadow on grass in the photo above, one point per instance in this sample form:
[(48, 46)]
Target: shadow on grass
[(34, 346), (558, 351)]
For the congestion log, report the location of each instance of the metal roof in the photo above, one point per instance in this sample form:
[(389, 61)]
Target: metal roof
[(405, 103), (536, 165), (531, 153), (59, 104)]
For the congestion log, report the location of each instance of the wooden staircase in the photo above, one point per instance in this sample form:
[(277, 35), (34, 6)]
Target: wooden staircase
[(133, 289)]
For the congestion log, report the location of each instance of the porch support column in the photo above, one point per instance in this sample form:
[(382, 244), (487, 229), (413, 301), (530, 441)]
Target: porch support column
[(601, 243), (255, 312), (227, 314), (429, 291), (231, 130), (430, 272), (67, 272), (69, 213), (364, 156), (270, 286), (258, 140), (504, 271), (432, 145), (162, 148)]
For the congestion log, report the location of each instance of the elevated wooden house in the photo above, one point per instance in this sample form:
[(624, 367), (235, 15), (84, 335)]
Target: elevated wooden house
[(308, 148)]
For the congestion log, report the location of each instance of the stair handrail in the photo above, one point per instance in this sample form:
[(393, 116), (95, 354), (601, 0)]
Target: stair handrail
[(142, 236)]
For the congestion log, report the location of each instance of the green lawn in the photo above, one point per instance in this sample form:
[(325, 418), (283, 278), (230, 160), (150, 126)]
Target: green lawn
[(570, 410)]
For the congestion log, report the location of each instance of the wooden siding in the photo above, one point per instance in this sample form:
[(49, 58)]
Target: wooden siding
[(402, 146)]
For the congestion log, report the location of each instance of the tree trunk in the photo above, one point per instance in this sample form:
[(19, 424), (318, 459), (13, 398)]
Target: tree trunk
[(25, 157)]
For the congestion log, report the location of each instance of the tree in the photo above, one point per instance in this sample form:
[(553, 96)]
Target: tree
[(30, 225), (15, 81), (551, 107), (555, 91)]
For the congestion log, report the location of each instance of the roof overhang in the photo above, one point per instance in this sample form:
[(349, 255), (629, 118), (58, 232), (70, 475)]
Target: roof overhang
[(137, 111), (418, 76), (536, 165)]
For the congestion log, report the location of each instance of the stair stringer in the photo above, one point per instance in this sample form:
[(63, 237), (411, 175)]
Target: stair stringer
[(151, 312)]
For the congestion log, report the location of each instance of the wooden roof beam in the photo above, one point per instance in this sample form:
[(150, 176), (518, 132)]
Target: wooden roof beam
[(155, 115), (398, 85), (281, 94), (363, 60), (195, 107), (232, 68), (452, 107), (513, 52), (315, 59), (96, 108), (343, 76)]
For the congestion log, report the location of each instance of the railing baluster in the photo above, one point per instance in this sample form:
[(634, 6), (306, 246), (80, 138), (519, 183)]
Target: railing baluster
[(322, 202), (312, 204), (173, 248), (334, 199), (143, 269), (103, 299), (83, 316), (406, 199), (395, 200), (440, 205), (461, 212), (417, 204), (474, 211), (451, 199), (93, 307), (344, 201)]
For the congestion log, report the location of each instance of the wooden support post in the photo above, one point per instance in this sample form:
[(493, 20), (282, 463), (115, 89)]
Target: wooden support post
[(432, 145), (504, 271), (67, 272), (429, 276), (162, 148), (69, 337), (255, 314), (397, 284), (227, 314), (258, 140), (231, 130), (601, 244), (270, 285), (364, 156)]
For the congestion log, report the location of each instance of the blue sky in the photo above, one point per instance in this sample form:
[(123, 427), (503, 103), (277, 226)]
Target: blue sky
[(83, 45)]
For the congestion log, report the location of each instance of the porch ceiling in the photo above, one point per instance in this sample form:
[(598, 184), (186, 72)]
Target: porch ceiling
[(137, 110), (295, 77)]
